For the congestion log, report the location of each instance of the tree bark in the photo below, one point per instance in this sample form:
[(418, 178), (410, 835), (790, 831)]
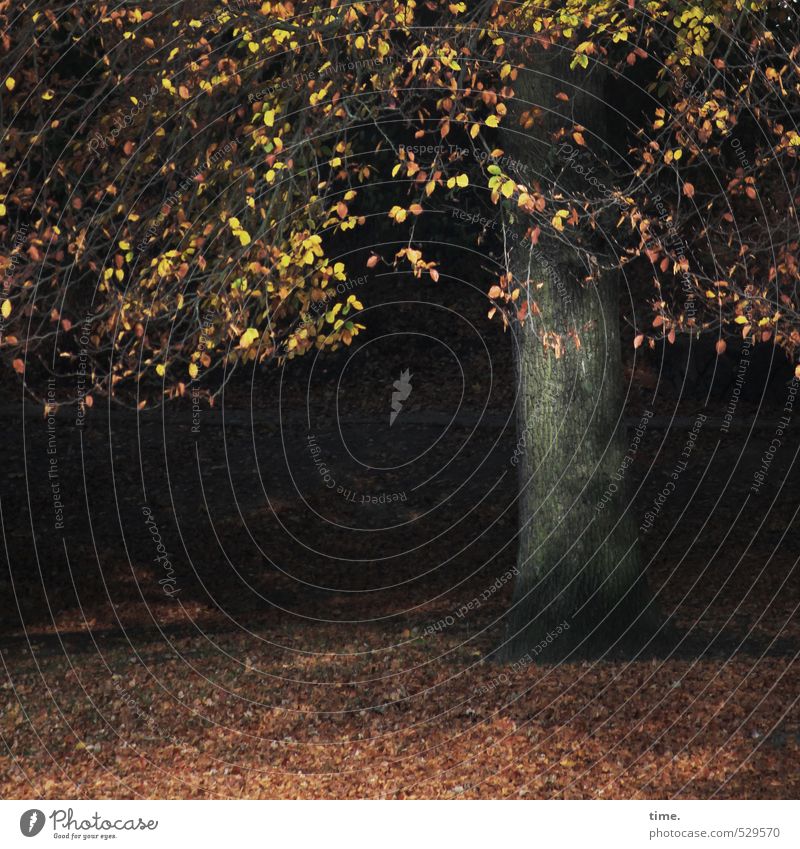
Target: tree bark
[(580, 590)]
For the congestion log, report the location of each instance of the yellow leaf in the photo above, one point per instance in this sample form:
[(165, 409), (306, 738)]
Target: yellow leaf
[(6, 309), (248, 337), (10, 83), (193, 370), (492, 121), (507, 188), (2, 209), (462, 181), (160, 370)]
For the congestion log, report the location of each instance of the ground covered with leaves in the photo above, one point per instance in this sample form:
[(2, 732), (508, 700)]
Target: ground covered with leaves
[(307, 642)]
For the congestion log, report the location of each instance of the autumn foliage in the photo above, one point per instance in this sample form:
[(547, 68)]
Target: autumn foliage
[(174, 182)]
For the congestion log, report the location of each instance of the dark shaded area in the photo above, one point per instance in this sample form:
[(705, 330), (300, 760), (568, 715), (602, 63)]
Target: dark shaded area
[(295, 502)]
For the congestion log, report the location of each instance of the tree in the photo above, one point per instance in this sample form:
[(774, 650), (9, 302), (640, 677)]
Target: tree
[(578, 549), (174, 181)]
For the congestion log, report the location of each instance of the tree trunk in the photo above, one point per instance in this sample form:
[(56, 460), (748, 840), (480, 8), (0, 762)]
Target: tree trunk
[(580, 589)]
